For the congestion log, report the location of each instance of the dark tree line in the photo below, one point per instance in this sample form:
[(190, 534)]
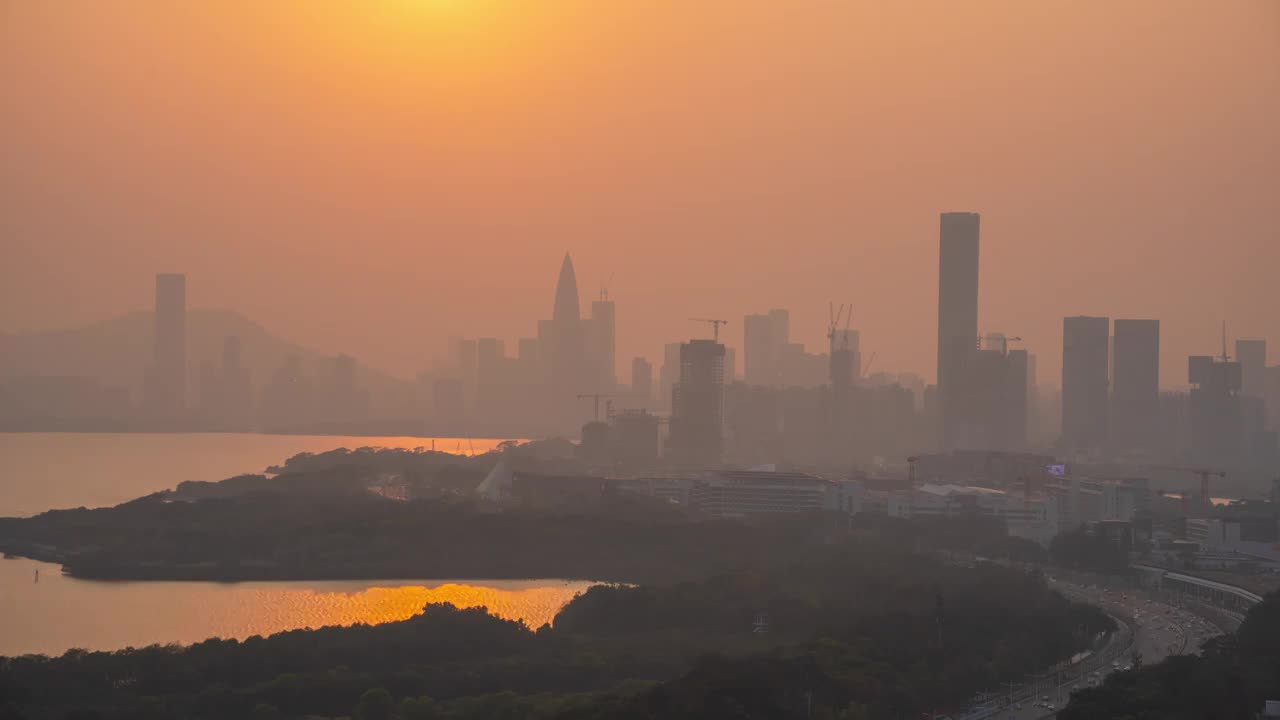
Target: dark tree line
[(865, 630)]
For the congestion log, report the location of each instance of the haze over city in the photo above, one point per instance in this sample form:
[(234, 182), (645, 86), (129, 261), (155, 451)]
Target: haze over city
[(374, 180), (639, 360)]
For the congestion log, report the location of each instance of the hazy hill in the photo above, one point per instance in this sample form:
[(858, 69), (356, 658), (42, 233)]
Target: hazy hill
[(116, 352)]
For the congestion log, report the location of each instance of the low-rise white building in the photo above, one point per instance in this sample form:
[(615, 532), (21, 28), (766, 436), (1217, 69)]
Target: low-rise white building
[(738, 493), (1031, 518), (1213, 533)]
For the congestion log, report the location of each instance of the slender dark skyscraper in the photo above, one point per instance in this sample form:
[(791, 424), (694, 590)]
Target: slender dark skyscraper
[(957, 311), (1135, 382), (567, 341), (1086, 343), (166, 386), (566, 308), (603, 343)]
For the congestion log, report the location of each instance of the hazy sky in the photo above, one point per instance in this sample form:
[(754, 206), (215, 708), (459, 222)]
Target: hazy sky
[(374, 176)]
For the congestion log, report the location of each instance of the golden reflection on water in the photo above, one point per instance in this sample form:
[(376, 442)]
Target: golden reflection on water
[(534, 605), (59, 612)]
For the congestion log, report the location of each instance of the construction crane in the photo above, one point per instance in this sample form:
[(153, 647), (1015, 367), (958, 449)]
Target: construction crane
[(1004, 341), (867, 367), (715, 325), (833, 323), (596, 398), (1204, 474)]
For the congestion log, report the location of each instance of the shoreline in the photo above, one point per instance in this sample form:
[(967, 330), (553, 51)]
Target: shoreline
[(98, 430), (377, 581), (239, 573)]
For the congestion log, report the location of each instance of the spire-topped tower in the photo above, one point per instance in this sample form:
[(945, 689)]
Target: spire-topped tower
[(566, 308)]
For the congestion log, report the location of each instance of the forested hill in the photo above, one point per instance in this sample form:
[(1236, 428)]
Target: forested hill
[(873, 633)]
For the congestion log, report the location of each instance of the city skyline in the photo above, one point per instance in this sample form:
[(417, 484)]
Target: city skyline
[(580, 360), (1102, 191), (1170, 363)]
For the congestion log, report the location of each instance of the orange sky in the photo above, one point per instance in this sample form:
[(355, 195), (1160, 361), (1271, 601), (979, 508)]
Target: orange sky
[(374, 176)]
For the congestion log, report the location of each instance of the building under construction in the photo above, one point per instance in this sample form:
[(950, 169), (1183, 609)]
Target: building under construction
[(697, 405)]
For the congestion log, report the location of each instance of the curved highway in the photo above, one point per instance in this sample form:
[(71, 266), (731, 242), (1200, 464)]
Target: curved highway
[(1150, 628)]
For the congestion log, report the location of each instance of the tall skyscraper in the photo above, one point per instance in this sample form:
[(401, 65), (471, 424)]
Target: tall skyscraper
[(730, 365), (957, 312), (603, 341), (1135, 383), (757, 350), (166, 385), (641, 378), (566, 340), (697, 404), (1252, 356), (1086, 343), (566, 308)]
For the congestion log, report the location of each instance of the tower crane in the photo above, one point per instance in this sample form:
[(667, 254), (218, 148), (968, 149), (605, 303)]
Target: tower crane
[(833, 322), (715, 326), (1204, 474), (596, 398), (867, 367)]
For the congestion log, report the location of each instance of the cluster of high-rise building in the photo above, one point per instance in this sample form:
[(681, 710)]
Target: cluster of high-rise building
[(546, 384), (225, 396), (1112, 404), (787, 405), (982, 389)]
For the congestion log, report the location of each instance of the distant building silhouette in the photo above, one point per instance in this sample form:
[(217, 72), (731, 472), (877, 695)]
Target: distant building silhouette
[(989, 410), (634, 438), (766, 347), (166, 383), (603, 340), (641, 378), (697, 404), (343, 399), (958, 252), (227, 392), (1252, 356), (1086, 345), (565, 340), (1135, 384), (757, 350), (850, 341), (288, 399), (669, 373), (780, 326), (1217, 428)]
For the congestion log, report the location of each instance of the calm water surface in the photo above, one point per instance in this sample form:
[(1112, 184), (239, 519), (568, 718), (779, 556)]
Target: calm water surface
[(46, 471), (59, 612)]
